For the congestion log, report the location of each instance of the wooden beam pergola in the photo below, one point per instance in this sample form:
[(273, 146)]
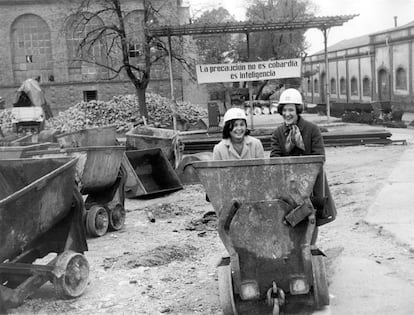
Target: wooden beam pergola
[(286, 24)]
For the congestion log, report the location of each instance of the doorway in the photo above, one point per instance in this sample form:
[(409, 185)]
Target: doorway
[(383, 85)]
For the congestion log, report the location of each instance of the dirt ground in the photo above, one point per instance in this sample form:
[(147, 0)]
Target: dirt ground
[(169, 266)]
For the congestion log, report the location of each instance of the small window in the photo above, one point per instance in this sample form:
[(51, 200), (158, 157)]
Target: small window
[(354, 86), (366, 87), (309, 85), (333, 86), (90, 95), (342, 86), (401, 79), (316, 86), (134, 50)]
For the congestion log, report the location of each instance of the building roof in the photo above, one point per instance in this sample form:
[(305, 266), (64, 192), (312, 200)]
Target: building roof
[(361, 40), (348, 43), (394, 28)]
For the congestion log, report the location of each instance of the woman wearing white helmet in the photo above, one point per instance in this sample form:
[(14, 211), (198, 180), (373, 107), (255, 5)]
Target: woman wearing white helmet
[(236, 143), (297, 136)]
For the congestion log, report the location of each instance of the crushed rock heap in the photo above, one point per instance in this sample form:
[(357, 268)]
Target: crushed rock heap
[(123, 112)]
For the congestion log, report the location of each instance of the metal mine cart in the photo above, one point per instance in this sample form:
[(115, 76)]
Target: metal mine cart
[(149, 172), (99, 136), (140, 138), (15, 152), (40, 216), (266, 222), (101, 177)]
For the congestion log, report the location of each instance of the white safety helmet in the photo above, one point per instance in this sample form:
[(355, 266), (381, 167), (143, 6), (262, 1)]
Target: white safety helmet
[(234, 113), (290, 96)]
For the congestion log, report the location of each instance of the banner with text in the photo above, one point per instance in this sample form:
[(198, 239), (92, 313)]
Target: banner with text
[(249, 71)]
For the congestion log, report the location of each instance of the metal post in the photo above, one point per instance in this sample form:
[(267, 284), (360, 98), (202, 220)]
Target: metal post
[(327, 91), (174, 107), (250, 84)]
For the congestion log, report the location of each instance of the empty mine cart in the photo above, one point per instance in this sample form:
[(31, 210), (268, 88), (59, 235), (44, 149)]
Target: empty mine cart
[(88, 137), (41, 233), (101, 177), (143, 137), (266, 222), (149, 173), (16, 152)]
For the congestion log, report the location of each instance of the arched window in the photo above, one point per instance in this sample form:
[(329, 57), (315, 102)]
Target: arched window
[(342, 86), (400, 79), (366, 87), (94, 52), (333, 86), (316, 86), (354, 86), (31, 48), (309, 86)]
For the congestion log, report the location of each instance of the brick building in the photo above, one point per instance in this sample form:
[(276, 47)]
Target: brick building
[(37, 39), (374, 67)]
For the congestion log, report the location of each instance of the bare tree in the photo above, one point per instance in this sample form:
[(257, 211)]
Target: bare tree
[(119, 42)]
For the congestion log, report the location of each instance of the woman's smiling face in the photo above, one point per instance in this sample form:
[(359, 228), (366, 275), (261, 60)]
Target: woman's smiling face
[(289, 114), (239, 130)]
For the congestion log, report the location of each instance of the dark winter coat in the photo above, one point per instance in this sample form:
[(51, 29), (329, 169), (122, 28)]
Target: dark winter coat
[(312, 138)]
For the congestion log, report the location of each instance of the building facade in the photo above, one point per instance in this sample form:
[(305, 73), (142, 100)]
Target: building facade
[(40, 38), (375, 67)]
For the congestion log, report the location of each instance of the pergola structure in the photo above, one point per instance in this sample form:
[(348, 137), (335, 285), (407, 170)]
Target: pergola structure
[(286, 24), (324, 23)]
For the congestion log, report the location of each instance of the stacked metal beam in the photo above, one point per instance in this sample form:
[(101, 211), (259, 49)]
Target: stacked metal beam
[(194, 143)]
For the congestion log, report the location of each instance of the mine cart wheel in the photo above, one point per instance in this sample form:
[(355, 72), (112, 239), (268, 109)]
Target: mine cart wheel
[(226, 294), (116, 217), (74, 280), (320, 283), (97, 221)]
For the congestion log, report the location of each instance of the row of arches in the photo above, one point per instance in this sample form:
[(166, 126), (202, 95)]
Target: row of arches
[(32, 47), (341, 88)]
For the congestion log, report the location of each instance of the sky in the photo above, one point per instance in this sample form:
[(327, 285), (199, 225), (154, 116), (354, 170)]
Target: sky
[(374, 16)]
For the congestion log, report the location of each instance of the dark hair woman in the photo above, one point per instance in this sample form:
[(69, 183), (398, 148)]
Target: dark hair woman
[(237, 144)]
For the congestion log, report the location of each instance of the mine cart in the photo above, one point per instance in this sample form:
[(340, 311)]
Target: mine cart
[(101, 177), (167, 140), (99, 136), (16, 152), (40, 219), (267, 224), (149, 173)]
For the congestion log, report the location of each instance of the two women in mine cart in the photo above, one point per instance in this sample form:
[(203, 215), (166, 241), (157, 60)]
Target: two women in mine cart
[(294, 137)]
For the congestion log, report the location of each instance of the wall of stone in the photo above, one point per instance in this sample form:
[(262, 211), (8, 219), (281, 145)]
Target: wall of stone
[(64, 91)]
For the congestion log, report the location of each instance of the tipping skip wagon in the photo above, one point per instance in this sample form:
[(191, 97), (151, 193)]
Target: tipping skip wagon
[(266, 222), (40, 214), (101, 177), (99, 173)]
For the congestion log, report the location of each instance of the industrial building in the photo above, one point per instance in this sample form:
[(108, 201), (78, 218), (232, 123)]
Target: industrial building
[(376, 67)]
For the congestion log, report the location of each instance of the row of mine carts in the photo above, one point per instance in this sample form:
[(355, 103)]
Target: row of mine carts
[(54, 194), (51, 196)]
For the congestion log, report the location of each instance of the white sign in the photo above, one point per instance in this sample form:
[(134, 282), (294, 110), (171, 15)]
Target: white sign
[(249, 71)]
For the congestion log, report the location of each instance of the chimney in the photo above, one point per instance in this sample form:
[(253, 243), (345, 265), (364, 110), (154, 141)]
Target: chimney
[(395, 21)]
